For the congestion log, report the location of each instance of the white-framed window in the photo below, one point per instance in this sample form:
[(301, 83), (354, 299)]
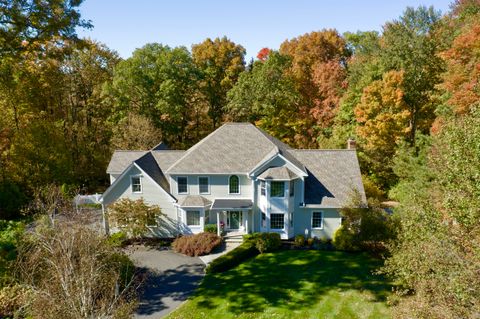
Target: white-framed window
[(204, 184), (264, 220), (277, 221), (291, 219), (291, 188), (234, 185), (136, 182), (263, 188), (277, 189), (193, 217), (317, 220), (182, 185)]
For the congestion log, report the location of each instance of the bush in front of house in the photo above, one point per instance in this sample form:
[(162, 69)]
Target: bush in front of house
[(211, 228), (117, 239), (345, 239), (196, 245), (299, 241), (233, 258), (265, 242)]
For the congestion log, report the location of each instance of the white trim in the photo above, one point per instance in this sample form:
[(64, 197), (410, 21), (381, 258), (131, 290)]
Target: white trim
[(174, 200), (188, 188), (141, 185), (199, 218), (311, 220), (254, 171), (239, 188), (198, 180)]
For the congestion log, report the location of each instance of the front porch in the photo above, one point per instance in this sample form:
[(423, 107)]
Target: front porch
[(233, 216)]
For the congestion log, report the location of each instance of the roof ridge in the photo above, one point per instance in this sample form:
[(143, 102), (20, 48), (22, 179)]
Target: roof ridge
[(194, 147), (320, 149), (131, 151)]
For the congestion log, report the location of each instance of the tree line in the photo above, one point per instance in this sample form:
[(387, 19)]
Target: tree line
[(409, 95)]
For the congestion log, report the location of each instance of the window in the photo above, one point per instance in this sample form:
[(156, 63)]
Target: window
[(263, 188), (136, 182), (264, 220), (291, 219), (182, 185), (292, 188), (203, 185), (317, 220), (234, 185), (277, 189), (193, 218), (276, 221)]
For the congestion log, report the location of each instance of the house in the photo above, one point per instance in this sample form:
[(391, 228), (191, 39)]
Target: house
[(242, 179)]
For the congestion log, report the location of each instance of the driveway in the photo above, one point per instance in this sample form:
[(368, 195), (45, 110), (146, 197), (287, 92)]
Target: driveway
[(170, 279)]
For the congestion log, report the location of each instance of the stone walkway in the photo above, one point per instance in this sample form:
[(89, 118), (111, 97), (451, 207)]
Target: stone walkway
[(223, 250)]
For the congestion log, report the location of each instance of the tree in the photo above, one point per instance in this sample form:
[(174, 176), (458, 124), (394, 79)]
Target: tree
[(135, 132), (159, 83), (383, 118), (134, 216), (436, 256), (267, 95), (262, 55), (221, 61), (26, 24), (409, 44)]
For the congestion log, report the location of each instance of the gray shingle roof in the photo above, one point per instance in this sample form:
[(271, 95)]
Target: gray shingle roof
[(232, 204), (333, 175), (166, 158), (121, 159), (149, 165), (279, 173), (232, 148), (194, 201)]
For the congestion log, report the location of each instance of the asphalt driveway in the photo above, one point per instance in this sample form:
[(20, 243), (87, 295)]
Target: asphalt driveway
[(170, 279)]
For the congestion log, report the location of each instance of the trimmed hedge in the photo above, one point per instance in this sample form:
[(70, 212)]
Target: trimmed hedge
[(253, 244), (197, 245), (232, 258)]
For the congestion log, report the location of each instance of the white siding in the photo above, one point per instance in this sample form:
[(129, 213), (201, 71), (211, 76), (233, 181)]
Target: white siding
[(151, 194), (303, 222)]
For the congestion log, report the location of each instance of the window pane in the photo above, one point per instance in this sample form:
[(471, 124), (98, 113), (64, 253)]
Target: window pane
[(317, 220), (292, 188), (136, 184), (182, 185), (264, 220), (234, 185), (277, 189), (276, 221), (193, 218), (262, 188), (203, 184)]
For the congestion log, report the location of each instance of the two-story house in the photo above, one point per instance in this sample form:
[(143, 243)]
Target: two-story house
[(242, 179)]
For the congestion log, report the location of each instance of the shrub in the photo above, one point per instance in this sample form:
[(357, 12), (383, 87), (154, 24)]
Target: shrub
[(117, 239), (299, 241), (345, 239), (197, 245), (211, 228), (233, 258), (310, 242), (266, 242), (13, 299)]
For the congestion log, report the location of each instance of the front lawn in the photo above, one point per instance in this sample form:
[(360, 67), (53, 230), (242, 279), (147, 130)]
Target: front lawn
[(293, 284)]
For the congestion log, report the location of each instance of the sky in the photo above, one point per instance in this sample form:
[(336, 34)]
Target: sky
[(126, 25)]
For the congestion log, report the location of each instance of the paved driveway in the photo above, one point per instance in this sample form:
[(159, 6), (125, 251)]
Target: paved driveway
[(170, 279)]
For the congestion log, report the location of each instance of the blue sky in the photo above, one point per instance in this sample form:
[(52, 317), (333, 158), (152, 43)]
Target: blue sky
[(126, 25)]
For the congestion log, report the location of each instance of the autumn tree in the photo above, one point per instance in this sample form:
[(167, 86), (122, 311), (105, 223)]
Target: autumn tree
[(220, 61), (263, 54), (383, 117), (135, 132)]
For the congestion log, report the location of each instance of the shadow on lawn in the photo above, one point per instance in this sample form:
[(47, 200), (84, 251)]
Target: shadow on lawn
[(285, 277), (176, 284)]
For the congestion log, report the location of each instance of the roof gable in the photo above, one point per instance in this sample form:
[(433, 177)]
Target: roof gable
[(232, 148)]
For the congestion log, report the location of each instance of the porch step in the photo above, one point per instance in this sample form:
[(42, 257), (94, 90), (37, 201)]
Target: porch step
[(233, 238)]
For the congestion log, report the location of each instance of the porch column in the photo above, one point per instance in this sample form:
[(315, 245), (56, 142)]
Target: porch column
[(246, 222), (218, 223)]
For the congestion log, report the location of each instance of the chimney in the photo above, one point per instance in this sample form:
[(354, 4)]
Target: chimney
[(351, 144)]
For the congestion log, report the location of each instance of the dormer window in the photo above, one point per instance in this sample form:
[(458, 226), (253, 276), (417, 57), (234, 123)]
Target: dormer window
[(234, 185), (277, 189), (136, 182)]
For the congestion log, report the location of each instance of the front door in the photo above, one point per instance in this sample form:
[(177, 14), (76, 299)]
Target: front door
[(234, 219)]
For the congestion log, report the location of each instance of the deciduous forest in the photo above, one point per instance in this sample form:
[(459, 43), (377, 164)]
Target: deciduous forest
[(409, 95)]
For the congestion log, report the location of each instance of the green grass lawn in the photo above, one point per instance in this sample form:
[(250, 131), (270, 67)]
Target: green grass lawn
[(293, 284)]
